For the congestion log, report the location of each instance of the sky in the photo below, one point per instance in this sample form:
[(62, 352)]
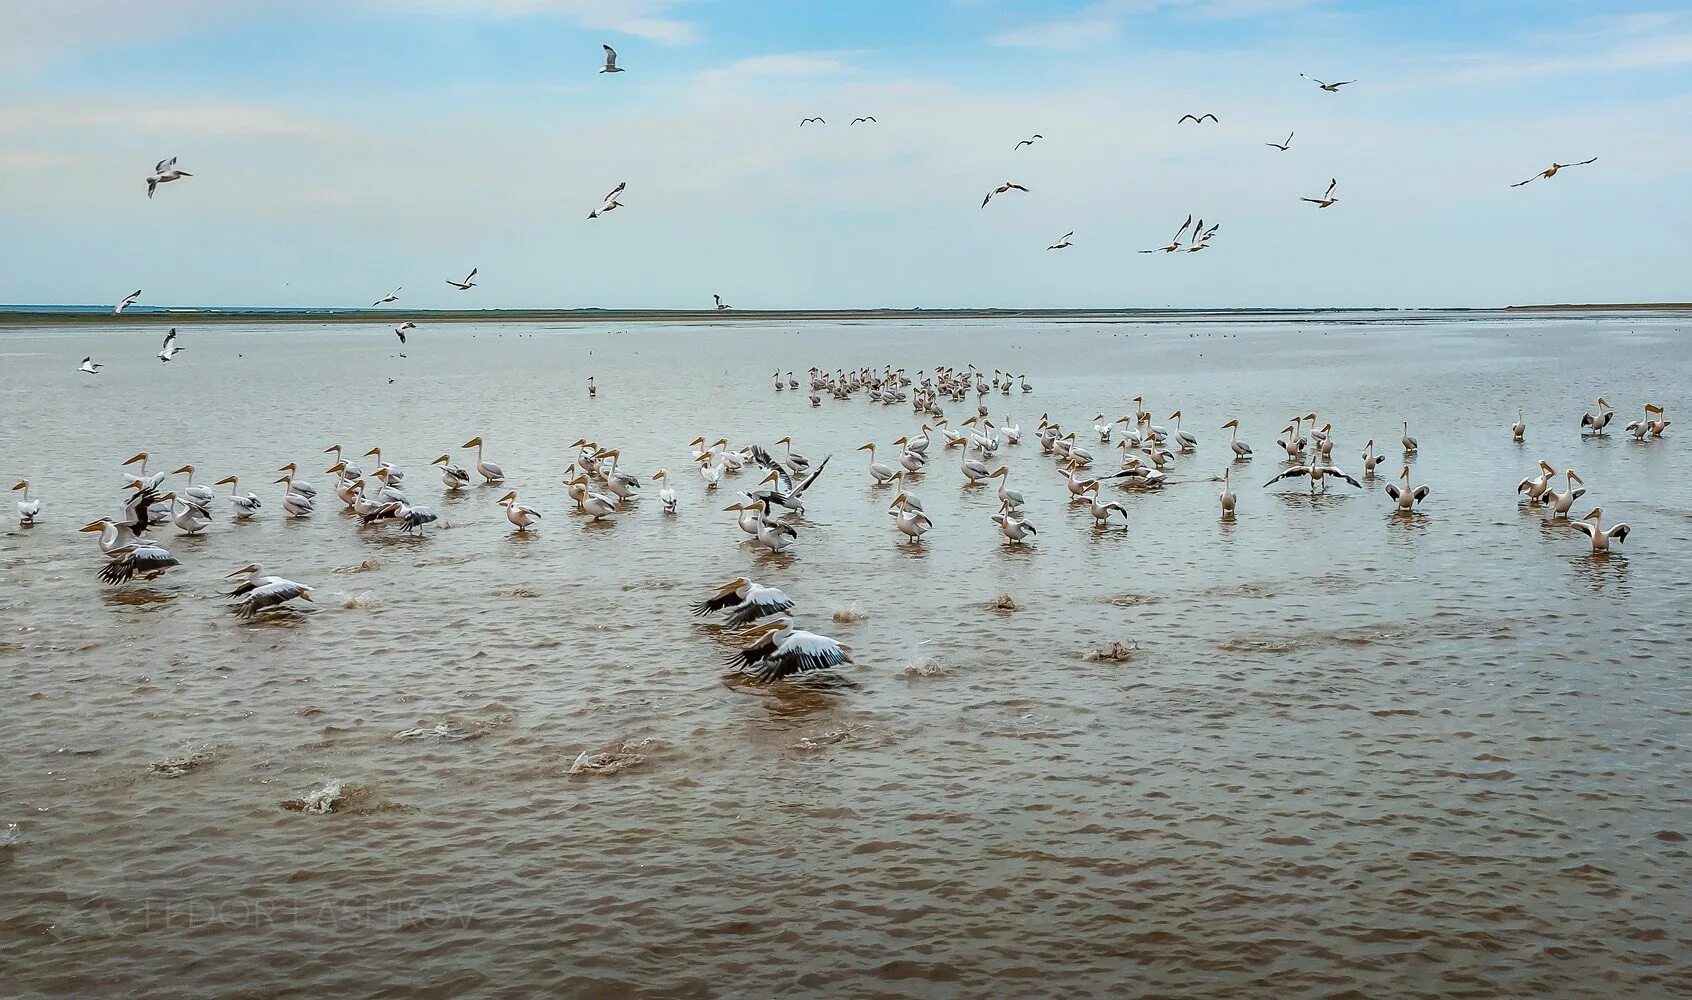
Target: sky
[(341, 148)]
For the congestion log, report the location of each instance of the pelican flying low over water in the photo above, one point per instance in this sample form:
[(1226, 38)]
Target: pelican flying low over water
[(779, 650), (746, 602), (263, 593)]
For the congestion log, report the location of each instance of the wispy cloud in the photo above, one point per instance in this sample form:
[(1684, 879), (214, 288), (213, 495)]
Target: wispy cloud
[(648, 19), (183, 118), (1626, 43), (1102, 22)]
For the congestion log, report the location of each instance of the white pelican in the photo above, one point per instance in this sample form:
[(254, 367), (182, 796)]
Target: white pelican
[(348, 470), (1316, 473), (128, 300), (200, 495), (882, 474), (1562, 503), (452, 476), (912, 521), (1409, 442), (1227, 497), (1241, 451), (1644, 425), (392, 296), (911, 460), (779, 650), (1327, 200), (171, 348), (1292, 444), (1183, 440), (610, 61), (517, 513), (793, 499), (620, 483), (1602, 537), (143, 481), (1013, 527), (749, 515), (90, 366), (1405, 497), (711, 472), (666, 495), (1007, 496), (745, 602), (1370, 459), (1101, 511), (114, 536), (1535, 486), (192, 518), (973, 470), (795, 462), (28, 509), (1596, 422), (244, 505), (1332, 88), (1518, 430), (302, 488), (144, 559), (772, 535), (1101, 429), (163, 173), (1660, 424), (1001, 189), (596, 505), (294, 503), (1012, 433), (261, 592), (1551, 171), (489, 472), (390, 491), (468, 283), (410, 518)]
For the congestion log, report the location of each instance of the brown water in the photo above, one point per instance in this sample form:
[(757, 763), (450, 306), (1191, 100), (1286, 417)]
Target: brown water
[(1354, 755)]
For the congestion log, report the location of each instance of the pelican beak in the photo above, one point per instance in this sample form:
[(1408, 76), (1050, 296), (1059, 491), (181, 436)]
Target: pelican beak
[(141, 457), (660, 474), (473, 442), (284, 479), (508, 497), (185, 468), (19, 486), (240, 572), (735, 506), (865, 447), (332, 449), (230, 481), (1576, 477), (1546, 467), (337, 467), (768, 479), (305, 594), (896, 501), (93, 526), (720, 441)]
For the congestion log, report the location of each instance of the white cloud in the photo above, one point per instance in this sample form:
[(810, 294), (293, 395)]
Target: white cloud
[(168, 118), (1101, 22), (785, 65), (648, 19)]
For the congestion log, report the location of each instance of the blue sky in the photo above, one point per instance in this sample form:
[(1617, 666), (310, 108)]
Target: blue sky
[(341, 149)]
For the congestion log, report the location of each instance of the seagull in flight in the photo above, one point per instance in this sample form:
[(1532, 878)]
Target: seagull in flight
[(1001, 189), (610, 202), (866, 118), (1332, 88), (1551, 171), (468, 283), (1027, 142), (1063, 242), (399, 331), (806, 121), (610, 60), (1283, 146), (1327, 198), (128, 300), (1199, 119), (721, 305), (90, 366), (171, 348), (392, 296), (1174, 245), (163, 173)]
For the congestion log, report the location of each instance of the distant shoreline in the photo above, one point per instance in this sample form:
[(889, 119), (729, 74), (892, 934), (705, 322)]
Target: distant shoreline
[(17, 316)]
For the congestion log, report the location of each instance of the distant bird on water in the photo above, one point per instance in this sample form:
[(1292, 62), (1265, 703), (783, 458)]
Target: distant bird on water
[(128, 300), (1551, 171), (1198, 119), (1327, 198), (90, 366), (1001, 189), (610, 60), (721, 305), (171, 348), (468, 283), (806, 121), (163, 173), (1282, 146), (399, 331), (866, 118), (1063, 241), (1027, 142), (392, 296), (1332, 88)]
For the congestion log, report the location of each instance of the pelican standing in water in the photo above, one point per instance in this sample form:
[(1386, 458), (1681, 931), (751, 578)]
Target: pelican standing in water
[(882, 474), (746, 602), (489, 472), (1535, 486), (1409, 442), (295, 503), (28, 510), (1011, 525), (666, 494), (1518, 430), (1183, 440), (348, 470), (200, 495), (1101, 511), (245, 506), (1317, 474), (772, 535), (302, 488), (1562, 503), (453, 477), (1241, 451), (1227, 496), (1370, 459), (596, 505), (1594, 423), (910, 520), (1602, 538), (779, 650), (1644, 425), (1405, 497), (516, 513)]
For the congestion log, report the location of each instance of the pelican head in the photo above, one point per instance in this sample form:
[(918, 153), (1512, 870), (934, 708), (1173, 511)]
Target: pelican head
[(285, 479), (229, 481), (291, 469), (1001, 472), (337, 467), (1547, 468), (736, 506), (99, 525), (443, 460), (22, 485), (1231, 425), (305, 593), (902, 440), (660, 474), (771, 478), (723, 442), (244, 571), (474, 442), (333, 449), (896, 502), (867, 447), (139, 457), (1594, 514), (374, 451), (1576, 477), (1174, 415), (1602, 402), (696, 442), (509, 498), (186, 468)]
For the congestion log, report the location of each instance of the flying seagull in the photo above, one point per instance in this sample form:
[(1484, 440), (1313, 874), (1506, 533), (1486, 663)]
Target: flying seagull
[(806, 121), (866, 118), (1332, 88), (399, 331), (1199, 119), (163, 173), (90, 366), (1327, 198), (171, 348), (128, 300), (468, 283), (1027, 142), (721, 305), (610, 60), (1001, 189), (1174, 245), (1551, 171), (1283, 146), (392, 296), (610, 202), (1063, 241)]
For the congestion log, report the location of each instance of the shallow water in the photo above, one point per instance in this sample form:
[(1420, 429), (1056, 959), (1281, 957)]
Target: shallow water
[(1352, 754)]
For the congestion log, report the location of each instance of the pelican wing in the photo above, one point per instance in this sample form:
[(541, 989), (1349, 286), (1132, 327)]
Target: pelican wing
[(139, 559), (761, 602), (1393, 491), (1297, 470), (268, 596), (1586, 528), (805, 484), (802, 652)]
